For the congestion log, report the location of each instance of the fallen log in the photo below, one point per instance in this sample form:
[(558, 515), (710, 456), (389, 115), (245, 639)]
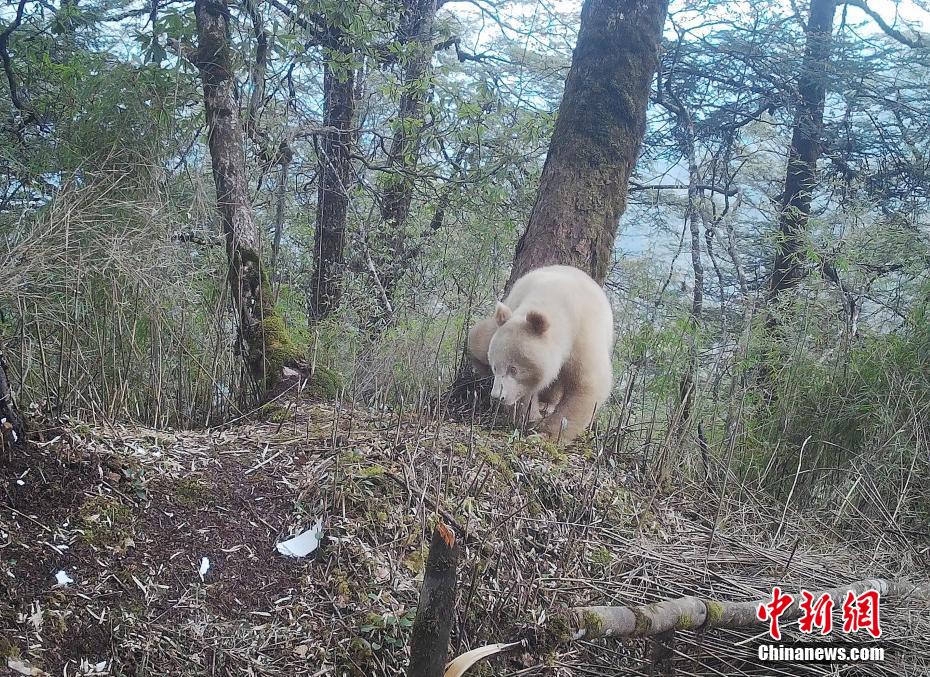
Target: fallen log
[(683, 613), (694, 613)]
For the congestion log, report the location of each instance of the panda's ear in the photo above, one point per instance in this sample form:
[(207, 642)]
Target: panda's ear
[(502, 313), (538, 322)]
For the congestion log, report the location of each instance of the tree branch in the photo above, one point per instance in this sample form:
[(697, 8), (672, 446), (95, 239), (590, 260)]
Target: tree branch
[(184, 49), (462, 55), (269, 155), (916, 42), (18, 103), (636, 186), (316, 26)]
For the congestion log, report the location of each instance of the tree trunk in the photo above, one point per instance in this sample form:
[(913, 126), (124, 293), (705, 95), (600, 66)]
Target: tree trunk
[(415, 32), (335, 172), (686, 137), (594, 147), (283, 155), (263, 341), (800, 177), (429, 640)]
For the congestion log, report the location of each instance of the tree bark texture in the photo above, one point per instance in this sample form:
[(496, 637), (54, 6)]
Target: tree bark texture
[(415, 33), (263, 341), (596, 140), (335, 172), (429, 642), (800, 177)]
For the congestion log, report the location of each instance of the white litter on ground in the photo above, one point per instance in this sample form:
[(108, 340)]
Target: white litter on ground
[(303, 544)]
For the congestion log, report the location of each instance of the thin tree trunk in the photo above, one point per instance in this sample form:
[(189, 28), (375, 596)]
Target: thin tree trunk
[(686, 142), (335, 177), (596, 140), (265, 146), (280, 200), (801, 178), (270, 156), (263, 341), (415, 32)]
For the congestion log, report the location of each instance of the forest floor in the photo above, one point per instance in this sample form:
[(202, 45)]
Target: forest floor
[(128, 515)]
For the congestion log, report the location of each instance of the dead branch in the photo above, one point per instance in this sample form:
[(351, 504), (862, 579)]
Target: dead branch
[(687, 613), (693, 613), (636, 187)]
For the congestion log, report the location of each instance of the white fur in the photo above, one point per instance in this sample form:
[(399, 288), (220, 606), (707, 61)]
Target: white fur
[(549, 344)]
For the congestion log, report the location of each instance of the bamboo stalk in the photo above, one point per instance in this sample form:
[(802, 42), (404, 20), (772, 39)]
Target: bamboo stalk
[(683, 613), (693, 613)]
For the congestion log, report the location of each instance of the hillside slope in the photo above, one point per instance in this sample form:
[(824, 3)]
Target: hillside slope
[(128, 514)]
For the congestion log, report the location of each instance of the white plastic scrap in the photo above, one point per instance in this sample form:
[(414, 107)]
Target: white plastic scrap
[(23, 668), (63, 578), (303, 544), (204, 566), (88, 668)]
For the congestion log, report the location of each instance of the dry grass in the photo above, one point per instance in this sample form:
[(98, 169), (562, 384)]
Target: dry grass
[(129, 513)]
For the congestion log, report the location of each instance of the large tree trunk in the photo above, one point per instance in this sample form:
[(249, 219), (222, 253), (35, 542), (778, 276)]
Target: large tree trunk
[(415, 32), (594, 147), (335, 172), (800, 177), (263, 341)]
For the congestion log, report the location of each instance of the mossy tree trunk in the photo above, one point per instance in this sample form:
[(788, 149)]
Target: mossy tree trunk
[(335, 179), (263, 342), (801, 174), (598, 132)]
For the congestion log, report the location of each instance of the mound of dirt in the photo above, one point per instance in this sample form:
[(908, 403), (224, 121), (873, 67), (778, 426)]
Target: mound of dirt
[(129, 551)]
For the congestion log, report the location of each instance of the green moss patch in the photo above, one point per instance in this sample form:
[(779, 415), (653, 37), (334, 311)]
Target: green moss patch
[(105, 521)]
